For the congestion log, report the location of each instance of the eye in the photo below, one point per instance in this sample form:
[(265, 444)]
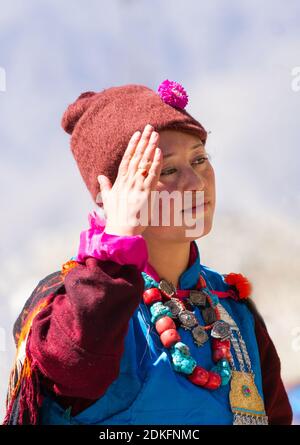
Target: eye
[(167, 172), (201, 159)]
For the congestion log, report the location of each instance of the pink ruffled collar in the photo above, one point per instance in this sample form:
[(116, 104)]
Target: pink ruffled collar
[(97, 243)]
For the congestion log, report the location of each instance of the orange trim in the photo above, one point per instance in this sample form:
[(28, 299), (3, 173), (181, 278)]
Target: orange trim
[(66, 267), (29, 319), (26, 370)]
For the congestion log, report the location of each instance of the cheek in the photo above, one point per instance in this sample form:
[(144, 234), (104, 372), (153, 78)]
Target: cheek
[(163, 188), (210, 176)]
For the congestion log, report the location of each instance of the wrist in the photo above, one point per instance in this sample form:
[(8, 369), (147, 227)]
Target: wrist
[(120, 231), (122, 245)]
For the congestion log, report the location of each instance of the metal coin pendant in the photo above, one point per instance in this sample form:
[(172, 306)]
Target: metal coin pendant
[(175, 306), (199, 335), (209, 315), (197, 297), (187, 319), (221, 330), (167, 288)]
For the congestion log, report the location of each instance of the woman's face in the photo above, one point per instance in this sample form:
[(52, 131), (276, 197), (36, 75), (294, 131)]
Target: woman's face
[(186, 167)]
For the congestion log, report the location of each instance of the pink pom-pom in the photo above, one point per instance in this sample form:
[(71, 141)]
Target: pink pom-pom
[(172, 93)]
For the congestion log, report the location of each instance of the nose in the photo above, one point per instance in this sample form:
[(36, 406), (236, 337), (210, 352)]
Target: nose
[(192, 180)]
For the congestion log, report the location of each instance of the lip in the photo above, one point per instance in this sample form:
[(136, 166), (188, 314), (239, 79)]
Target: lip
[(197, 207)]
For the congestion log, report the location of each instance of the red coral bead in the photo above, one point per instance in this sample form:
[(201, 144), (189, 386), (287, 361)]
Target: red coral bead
[(221, 353), (217, 343), (164, 323), (152, 296), (199, 376), (169, 337), (214, 381)]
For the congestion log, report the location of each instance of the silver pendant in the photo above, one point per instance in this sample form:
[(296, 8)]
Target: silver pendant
[(197, 297), (187, 319), (167, 288), (175, 307), (221, 330), (200, 336), (241, 419), (209, 315)]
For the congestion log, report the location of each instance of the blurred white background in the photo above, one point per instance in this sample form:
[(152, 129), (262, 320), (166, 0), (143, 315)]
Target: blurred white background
[(235, 60)]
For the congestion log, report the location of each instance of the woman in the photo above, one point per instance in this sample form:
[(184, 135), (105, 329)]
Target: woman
[(134, 329)]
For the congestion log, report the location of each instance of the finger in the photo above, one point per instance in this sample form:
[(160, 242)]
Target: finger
[(155, 170), (131, 147), (142, 145), (148, 156), (105, 186)]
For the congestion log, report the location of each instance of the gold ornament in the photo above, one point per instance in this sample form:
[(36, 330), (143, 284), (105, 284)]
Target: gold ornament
[(246, 403)]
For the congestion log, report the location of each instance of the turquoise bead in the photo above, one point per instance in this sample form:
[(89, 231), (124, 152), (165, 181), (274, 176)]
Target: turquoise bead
[(224, 370), (214, 298), (181, 347), (183, 363), (159, 310), (149, 282)]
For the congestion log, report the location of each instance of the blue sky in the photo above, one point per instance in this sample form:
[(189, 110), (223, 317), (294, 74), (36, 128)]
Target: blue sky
[(234, 58)]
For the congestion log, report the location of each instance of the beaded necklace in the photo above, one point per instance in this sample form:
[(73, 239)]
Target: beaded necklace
[(166, 308)]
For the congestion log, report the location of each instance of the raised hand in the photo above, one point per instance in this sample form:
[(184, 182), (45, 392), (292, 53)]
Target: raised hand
[(132, 188)]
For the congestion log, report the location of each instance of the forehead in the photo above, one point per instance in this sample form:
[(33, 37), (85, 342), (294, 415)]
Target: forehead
[(172, 140)]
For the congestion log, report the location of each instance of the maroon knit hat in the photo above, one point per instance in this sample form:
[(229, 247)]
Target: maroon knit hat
[(101, 124)]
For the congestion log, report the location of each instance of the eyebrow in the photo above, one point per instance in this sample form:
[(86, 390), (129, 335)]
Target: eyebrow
[(199, 144)]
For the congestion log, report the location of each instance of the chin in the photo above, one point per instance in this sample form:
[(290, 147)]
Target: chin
[(207, 226), (178, 234)]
